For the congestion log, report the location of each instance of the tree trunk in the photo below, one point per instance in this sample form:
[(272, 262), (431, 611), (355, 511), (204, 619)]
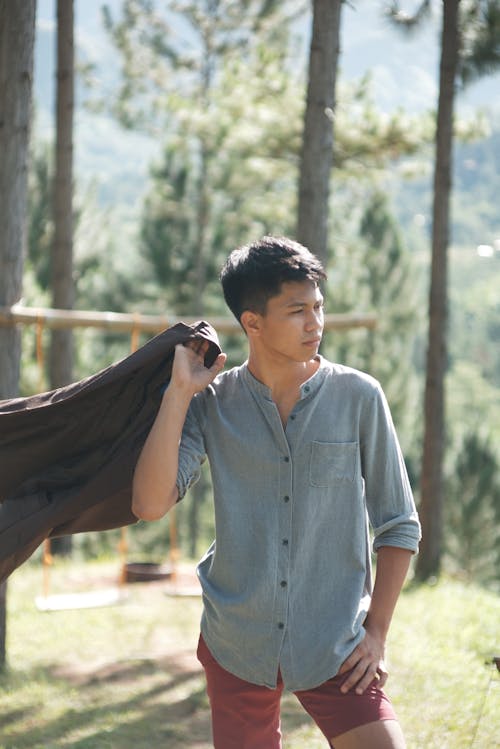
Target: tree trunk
[(317, 140), (17, 34), (202, 222), (61, 351), (432, 500), (61, 341)]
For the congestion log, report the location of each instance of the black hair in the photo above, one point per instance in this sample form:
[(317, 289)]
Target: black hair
[(254, 273)]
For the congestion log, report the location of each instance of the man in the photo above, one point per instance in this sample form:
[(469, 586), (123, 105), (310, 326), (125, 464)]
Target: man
[(302, 453)]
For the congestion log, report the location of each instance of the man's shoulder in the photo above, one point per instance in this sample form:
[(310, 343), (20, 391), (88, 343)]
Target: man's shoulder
[(341, 375), (232, 377)]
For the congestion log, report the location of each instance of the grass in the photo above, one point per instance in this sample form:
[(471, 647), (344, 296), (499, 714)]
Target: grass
[(126, 676)]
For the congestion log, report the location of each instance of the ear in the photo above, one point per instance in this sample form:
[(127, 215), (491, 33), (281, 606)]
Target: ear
[(251, 323)]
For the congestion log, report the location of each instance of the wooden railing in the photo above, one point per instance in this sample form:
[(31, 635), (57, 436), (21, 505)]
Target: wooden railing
[(130, 322)]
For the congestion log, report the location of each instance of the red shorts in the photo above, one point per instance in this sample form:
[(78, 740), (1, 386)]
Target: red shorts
[(247, 716)]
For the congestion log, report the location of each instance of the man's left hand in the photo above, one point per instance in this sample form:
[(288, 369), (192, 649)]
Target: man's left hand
[(365, 664)]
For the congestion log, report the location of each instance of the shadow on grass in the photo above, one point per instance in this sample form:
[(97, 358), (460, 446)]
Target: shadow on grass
[(138, 704), (133, 704)]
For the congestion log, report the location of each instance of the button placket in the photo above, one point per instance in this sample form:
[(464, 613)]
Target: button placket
[(284, 518), (284, 530)]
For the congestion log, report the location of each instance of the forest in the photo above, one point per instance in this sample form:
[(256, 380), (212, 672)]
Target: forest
[(219, 88)]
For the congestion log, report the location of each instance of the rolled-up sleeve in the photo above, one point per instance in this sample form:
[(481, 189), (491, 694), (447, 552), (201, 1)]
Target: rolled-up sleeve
[(389, 498)]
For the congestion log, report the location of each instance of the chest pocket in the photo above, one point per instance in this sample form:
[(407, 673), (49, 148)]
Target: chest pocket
[(332, 462)]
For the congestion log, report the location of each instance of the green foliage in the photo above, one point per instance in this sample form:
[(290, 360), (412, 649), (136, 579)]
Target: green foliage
[(368, 139), (475, 317), (177, 47), (389, 284), (40, 224), (480, 54), (226, 105), (472, 402), (473, 510), (225, 178), (477, 184), (108, 276), (224, 95), (373, 271), (479, 29)]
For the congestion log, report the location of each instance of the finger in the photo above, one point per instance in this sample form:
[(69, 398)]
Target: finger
[(198, 345), (354, 678), (364, 673), (347, 665), (369, 678), (218, 364), (352, 661), (373, 677), (383, 676)]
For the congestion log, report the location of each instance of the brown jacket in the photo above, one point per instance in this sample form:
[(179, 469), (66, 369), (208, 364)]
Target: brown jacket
[(67, 457)]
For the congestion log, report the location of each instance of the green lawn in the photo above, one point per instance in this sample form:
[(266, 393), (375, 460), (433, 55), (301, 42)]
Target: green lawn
[(125, 676)]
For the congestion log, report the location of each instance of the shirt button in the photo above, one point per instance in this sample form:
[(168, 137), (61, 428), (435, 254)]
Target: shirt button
[(286, 459), (286, 498), (281, 625), (283, 583), (292, 416), (285, 542), (306, 389)]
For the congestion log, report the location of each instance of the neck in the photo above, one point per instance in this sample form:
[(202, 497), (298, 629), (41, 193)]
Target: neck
[(281, 376), (284, 381)]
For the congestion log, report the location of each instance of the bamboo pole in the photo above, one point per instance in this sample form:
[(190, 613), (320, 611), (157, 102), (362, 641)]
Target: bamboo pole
[(129, 322)]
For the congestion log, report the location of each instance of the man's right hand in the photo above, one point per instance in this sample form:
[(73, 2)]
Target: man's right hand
[(189, 373)]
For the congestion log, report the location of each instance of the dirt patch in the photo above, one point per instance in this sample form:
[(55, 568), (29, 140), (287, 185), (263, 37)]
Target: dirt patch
[(182, 663)]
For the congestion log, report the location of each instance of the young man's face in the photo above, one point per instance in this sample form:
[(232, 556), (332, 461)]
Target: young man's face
[(292, 325)]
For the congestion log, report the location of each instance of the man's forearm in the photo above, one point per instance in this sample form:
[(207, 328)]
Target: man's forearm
[(366, 662), (154, 486), (392, 568)]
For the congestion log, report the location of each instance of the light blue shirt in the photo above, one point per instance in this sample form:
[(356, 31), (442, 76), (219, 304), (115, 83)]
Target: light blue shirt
[(287, 582)]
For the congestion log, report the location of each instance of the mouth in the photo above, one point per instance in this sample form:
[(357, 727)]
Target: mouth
[(313, 342)]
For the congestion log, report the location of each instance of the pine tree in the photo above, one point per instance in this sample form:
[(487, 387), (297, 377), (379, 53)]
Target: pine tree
[(317, 141), (470, 37), (374, 271), (473, 510), (17, 35)]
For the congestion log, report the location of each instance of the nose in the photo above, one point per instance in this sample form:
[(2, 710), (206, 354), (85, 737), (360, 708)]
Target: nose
[(314, 320)]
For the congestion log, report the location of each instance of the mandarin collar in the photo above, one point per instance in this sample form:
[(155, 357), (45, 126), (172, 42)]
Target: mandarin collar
[(307, 389)]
